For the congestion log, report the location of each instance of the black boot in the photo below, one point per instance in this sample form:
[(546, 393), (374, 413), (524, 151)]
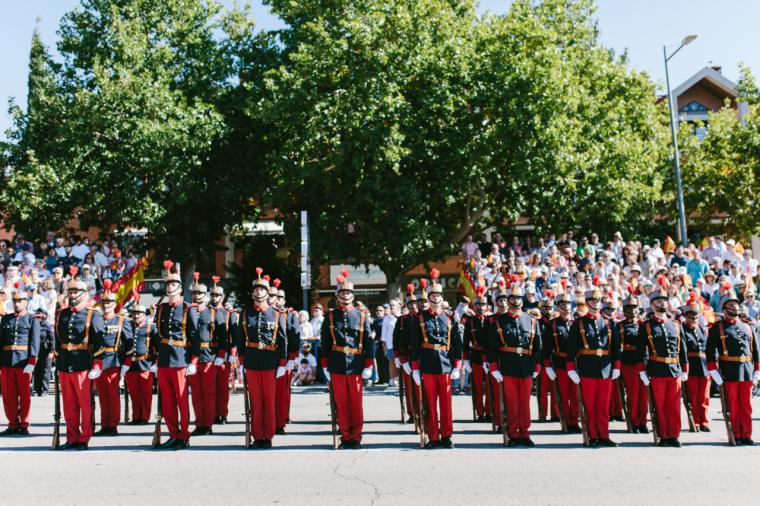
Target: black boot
[(169, 443), (446, 442)]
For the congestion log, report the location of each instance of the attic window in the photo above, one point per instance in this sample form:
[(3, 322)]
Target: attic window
[(693, 106)]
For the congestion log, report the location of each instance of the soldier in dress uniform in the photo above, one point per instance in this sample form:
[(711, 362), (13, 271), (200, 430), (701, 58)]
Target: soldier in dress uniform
[(44, 365), (76, 328), (20, 346), (544, 392), (662, 360), (609, 308), (203, 382), (293, 332), (698, 383), (347, 355), (636, 393), (593, 361), (261, 345), (476, 328), (224, 329), (435, 350), (732, 359), (514, 356), (112, 358), (555, 359), (401, 332), (139, 379), (178, 354)]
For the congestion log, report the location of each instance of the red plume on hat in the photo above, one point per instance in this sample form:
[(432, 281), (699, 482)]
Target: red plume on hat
[(410, 287), (662, 281), (196, 276), (610, 294), (563, 282), (16, 284), (107, 284), (514, 278), (73, 270), (259, 270), (344, 273), (549, 294), (215, 279), (726, 286), (276, 282), (692, 298), (503, 283), (266, 278), (596, 281), (629, 287), (340, 280), (423, 283), (435, 274), (168, 264), (481, 290)]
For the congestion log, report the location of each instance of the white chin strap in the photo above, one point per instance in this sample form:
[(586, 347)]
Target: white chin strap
[(346, 299)]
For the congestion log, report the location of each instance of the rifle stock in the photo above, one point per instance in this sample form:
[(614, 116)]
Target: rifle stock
[(727, 416), (687, 405), (57, 413), (333, 414), (401, 394), (584, 419), (560, 407), (653, 411), (247, 405), (624, 402), (157, 428)]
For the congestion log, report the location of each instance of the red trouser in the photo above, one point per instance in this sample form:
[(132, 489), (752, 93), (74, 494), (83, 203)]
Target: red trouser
[(496, 389), (667, 400), (636, 394), (347, 390), (17, 398), (108, 393), (438, 398), (739, 395), (175, 405), (517, 397), (281, 400), (75, 390), (140, 388), (222, 389), (699, 396), (482, 399), (261, 394), (289, 376), (203, 385), (408, 392), (596, 398), (569, 397), (616, 404), (544, 391)]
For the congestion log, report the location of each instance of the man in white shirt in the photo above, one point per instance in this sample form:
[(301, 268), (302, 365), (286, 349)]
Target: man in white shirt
[(656, 251), (389, 323), (80, 250)]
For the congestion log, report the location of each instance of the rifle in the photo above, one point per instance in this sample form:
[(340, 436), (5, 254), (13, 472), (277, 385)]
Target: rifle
[(157, 429), (333, 415), (560, 407), (624, 402), (472, 396), (401, 395), (415, 406), (489, 386), (422, 417), (92, 405), (126, 402), (57, 413), (653, 411), (727, 416), (687, 405), (584, 420), (247, 404), (504, 425)]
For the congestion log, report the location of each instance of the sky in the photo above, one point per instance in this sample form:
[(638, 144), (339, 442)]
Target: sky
[(727, 35)]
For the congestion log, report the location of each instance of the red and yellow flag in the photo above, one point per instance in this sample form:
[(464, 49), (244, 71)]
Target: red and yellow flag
[(739, 249), (704, 244), (669, 246), (466, 285), (128, 283)]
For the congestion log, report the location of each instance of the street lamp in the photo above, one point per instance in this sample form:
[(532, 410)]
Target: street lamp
[(676, 162)]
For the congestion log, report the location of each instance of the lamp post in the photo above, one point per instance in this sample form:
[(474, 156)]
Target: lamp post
[(676, 161)]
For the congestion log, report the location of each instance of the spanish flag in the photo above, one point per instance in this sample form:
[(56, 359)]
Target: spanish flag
[(705, 243), (669, 245), (739, 249), (128, 283), (466, 286)]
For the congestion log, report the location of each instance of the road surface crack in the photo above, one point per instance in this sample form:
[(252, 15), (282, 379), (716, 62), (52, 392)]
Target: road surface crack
[(368, 483)]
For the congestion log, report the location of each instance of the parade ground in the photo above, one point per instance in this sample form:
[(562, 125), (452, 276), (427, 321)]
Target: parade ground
[(389, 469)]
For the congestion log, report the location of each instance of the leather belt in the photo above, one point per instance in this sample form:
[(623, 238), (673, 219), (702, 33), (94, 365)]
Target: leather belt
[(478, 348), (560, 354), (597, 352), (740, 358), (664, 360), (436, 347), (629, 347), (141, 357), (696, 354), (347, 350), (261, 346), (519, 350), (72, 347), (208, 345), (175, 342), (16, 347), (112, 349)]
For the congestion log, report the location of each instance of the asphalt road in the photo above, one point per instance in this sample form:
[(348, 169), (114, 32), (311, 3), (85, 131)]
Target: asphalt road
[(303, 468)]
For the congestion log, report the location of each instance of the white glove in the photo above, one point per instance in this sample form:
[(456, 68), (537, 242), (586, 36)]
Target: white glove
[(573, 375), (485, 367), (407, 368), (455, 374), (397, 361), (326, 373), (684, 376), (280, 372), (717, 378), (289, 366), (367, 373), (153, 369), (218, 361), (124, 370), (416, 377), (755, 376), (28, 369), (94, 374), (467, 366), (615, 374), (644, 378), (535, 374), (497, 376), (550, 372), (191, 369)]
